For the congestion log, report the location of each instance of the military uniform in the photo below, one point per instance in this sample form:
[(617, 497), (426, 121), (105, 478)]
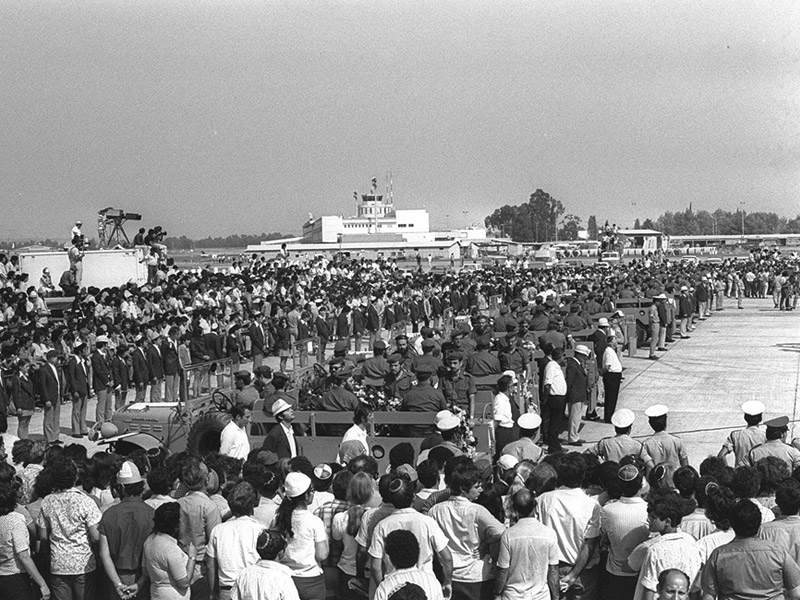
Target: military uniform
[(247, 396), (424, 398), (615, 447), (397, 386), (742, 441), (665, 448), (776, 448), (459, 389), (524, 449)]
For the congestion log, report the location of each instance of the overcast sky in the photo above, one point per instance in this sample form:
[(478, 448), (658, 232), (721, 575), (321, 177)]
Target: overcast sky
[(214, 118)]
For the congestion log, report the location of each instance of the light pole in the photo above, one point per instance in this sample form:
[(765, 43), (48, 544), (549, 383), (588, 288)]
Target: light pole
[(633, 210), (465, 213)]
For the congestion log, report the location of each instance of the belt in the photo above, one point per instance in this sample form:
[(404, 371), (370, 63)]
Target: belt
[(225, 588)]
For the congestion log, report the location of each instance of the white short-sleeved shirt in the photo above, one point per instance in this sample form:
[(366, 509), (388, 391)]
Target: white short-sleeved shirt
[(430, 536), (165, 562), (611, 363), (501, 405), (554, 377), (233, 545), (300, 553), (624, 523), (265, 579), (397, 579), (574, 516), (527, 550)]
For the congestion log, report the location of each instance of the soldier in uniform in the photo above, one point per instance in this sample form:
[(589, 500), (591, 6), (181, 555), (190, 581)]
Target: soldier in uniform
[(376, 366), (741, 441), (246, 394), (423, 397), (483, 362), (621, 444), (406, 352), (526, 448), (776, 445), (338, 398), (399, 382), (664, 448), (540, 319), (513, 357), (263, 381), (457, 386), (427, 357)]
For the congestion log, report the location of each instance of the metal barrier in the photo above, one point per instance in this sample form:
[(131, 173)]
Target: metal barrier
[(302, 350), (200, 374)]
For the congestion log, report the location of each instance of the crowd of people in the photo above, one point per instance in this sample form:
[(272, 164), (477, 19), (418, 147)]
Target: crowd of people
[(443, 520)]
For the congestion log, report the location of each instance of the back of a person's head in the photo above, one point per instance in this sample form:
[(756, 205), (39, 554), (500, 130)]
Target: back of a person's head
[(402, 547), (787, 497), (63, 473), (408, 591), (668, 504), (571, 469), (364, 463), (685, 480), (428, 473), (167, 518), (745, 518), (712, 466), (359, 488), (401, 454), (701, 490), (255, 472), (772, 471), (543, 478), (242, 499), (270, 545), (454, 463), (340, 483), (718, 503), (523, 502), (8, 498), (302, 464), (440, 455), (746, 482), (383, 487), (194, 473), (401, 491)]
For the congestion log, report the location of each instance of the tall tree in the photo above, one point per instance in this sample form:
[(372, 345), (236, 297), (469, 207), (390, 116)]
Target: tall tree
[(591, 226)]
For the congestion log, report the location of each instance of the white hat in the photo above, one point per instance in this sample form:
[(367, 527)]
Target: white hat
[(660, 297), (448, 423), (753, 407), (507, 461), (511, 374), (129, 473), (657, 410), (684, 288), (581, 349), (602, 322), (323, 472), (296, 484), (529, 421), (280, 406), (102, 339), (441, 416), (623, 418)]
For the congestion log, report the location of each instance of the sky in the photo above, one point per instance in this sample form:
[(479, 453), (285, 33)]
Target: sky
[(225, 117)]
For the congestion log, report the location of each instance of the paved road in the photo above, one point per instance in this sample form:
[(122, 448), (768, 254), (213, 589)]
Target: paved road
[(736, 355)]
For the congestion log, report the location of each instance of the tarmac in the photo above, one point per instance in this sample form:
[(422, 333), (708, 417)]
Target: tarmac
[(734, 356)]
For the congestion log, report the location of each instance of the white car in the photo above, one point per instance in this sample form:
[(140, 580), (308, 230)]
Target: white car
[(610, 257)]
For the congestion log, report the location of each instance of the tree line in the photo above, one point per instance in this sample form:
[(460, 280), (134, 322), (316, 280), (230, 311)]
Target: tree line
[(542, 218), (231, 241)]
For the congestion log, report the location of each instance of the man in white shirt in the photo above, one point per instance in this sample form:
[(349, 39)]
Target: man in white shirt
[(554, 399), (232, 546), (358, 432), (402, 552), (233, 440), (502, 413)]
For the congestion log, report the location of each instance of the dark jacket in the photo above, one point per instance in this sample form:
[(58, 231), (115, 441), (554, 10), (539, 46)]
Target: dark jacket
[(49, 384), (577, 382), (276, 442), (141, 373), (154, 363), (22, 393), (101, 372), (169, 358), (77, 378), (119, 370)]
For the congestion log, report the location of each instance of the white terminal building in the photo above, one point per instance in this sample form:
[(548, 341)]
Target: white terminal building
[(378, 228)]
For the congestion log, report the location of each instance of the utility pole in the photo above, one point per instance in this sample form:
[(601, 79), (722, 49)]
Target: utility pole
[(742, 205)]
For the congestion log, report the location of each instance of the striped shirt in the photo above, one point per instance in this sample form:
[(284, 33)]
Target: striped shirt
[(397, 579), (624, 523)]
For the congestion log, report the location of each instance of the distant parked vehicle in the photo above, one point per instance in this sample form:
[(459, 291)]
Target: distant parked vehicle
[(610, 257)]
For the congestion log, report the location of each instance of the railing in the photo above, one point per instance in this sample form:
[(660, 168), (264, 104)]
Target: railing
[(200, 375)]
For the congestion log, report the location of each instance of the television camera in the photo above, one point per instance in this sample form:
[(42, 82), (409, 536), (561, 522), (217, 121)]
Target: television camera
[(116, 218)]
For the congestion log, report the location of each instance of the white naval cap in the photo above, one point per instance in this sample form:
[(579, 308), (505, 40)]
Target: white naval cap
[(753, 407), (529, 421), (657, 410), (623, 418)]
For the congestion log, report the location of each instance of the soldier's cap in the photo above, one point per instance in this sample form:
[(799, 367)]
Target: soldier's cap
[(457, 332), (341, 345), (448, 423), (280, 377), (323, 472), (602, 322), (280, 406), (428, 343), (263, 371), (657, 410), (529, 421), (268, 457), (244, 375), (581, 349), (511, 327), (424, 370), (394, 358), (507, 461), (540, 308), (778, 422), (753, 407), (402, 336), (660, 297), (337, 361), (407, 469), (455, 356), (379, 345), (504, 310), (628, 473), (623, 418), (345, 373)]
